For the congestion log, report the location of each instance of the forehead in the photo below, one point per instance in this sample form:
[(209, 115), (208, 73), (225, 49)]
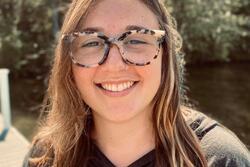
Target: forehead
[(114, 16)]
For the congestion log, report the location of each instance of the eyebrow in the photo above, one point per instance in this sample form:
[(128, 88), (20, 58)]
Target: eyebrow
[(93, 29), (100, 29), (135, 27)]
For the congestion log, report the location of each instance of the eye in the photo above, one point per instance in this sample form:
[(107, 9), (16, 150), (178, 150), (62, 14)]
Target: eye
[(91, 44), (135, 42)]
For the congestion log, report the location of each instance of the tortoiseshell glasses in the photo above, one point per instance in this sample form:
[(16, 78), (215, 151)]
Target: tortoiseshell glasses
[(137, 47)]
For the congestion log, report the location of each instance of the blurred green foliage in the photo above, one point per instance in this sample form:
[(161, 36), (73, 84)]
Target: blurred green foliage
[(26, 35), (211, 30)]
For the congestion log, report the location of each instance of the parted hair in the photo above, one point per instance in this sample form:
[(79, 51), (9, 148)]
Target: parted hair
[(62, 136)]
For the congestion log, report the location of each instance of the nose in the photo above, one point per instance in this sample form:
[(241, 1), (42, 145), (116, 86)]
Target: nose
[(114, 61)]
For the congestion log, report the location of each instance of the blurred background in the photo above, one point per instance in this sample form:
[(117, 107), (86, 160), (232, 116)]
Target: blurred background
[(216, 38)]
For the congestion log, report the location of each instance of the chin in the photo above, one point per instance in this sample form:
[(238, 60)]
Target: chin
[(119, 115)]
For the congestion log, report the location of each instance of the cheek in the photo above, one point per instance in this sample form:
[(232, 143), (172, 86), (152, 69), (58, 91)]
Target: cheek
[(83, 79), (156, 68), (152, 76)]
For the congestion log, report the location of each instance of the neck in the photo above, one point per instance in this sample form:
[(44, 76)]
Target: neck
[(124, 142)]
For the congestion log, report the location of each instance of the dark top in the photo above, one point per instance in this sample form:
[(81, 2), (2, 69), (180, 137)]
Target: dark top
[(102, 161), (222, 148)]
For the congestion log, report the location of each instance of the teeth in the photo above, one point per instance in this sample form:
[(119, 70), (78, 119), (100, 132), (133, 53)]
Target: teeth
[(117, 87)]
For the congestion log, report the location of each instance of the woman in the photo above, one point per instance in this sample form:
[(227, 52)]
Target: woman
[(114, 95)]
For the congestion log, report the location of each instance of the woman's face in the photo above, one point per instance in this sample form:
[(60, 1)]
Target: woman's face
[(113, 17)]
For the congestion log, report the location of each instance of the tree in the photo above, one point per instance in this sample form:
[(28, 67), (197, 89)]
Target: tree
[(210, 28), (27, 36)]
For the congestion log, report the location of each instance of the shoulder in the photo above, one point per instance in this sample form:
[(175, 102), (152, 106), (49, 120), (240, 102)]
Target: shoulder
[(38, 150), (220, 145)]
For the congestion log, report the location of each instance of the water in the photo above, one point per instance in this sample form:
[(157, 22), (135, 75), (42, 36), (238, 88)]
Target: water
[(220, 90)]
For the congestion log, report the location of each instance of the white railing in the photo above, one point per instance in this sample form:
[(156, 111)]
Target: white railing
[(5, 102)]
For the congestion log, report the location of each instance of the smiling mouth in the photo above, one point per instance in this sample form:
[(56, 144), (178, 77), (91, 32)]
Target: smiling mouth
[(117, 87)]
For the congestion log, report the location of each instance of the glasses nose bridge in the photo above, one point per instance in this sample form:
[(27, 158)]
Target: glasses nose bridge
[(114, 41)]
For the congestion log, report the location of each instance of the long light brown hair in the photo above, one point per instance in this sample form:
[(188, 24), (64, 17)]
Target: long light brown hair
[(62, 133)]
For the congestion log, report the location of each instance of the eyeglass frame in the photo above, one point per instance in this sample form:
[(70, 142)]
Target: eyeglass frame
[(108, 41)]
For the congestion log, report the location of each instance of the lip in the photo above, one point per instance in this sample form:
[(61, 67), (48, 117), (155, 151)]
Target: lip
[(117, 94), (116, 81)]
